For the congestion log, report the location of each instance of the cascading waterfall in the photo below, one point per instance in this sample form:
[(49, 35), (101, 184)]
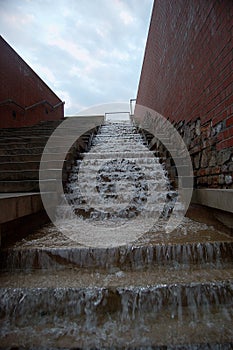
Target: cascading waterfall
[(118, 191), (113, 278)]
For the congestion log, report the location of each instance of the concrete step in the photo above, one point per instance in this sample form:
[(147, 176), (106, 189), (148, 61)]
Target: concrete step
[(27, 186), (35, 142), (16, 175), (21, 145), (136, 310), (33, 165), (159, 277), (49, 249), (31, 137), (18, 205), (19, 186), (20, 166), (36, 127), (140, 258), (37, 150), (51, 124), (33, 157), (23, 136), (20, 158), (27, 133)]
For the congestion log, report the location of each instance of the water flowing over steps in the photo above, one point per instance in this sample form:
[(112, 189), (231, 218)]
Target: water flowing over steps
[(119, 309), (118, 176), (161, 291)]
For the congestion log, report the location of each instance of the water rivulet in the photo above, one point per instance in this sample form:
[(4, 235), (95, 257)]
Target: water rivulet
[(112, 277)]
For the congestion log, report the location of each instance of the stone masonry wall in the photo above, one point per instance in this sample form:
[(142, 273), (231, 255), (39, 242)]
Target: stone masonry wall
[(212, 163), (187, 76)]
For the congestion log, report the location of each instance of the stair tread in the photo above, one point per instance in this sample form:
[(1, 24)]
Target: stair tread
[(25, 181), (49, 248), (13, 171), (85, 278), (195, 233), (25, 166)]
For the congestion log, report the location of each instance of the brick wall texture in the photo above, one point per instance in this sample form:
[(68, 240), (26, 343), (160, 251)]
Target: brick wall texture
[(187, 76), (20, 83)]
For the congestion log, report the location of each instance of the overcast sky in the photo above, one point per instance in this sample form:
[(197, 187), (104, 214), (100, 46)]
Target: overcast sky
[(88, 51)]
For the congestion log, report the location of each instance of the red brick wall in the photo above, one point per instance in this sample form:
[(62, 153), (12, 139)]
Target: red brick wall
[(21, 84), (187, 76)]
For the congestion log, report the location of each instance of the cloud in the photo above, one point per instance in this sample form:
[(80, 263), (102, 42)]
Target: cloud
[(88, 52), (77, 52), (126, 17), (15, 18), (64, 96), (45, 73)]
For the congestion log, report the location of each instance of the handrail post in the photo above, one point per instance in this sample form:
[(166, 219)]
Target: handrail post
[(131, 105)]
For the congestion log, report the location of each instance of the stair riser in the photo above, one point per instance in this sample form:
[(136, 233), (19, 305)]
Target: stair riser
[(34, 157), (18, 151), (28, 186), (14, 186), (25, 144), (20, 158), (21, 304), (38, 150), (31, 139), (113, 333), (31, 165), (98, 318), (30, 175), (208, 254), (21, 145)]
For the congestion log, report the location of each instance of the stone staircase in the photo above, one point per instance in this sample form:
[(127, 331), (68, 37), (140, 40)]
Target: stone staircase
[(161, 291)]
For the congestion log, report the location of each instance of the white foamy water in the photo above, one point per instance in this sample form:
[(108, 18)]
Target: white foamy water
[(117, 191)]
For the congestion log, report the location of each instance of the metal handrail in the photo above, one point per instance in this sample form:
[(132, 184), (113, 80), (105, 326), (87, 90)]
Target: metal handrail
[(43, 102), (9, 100)]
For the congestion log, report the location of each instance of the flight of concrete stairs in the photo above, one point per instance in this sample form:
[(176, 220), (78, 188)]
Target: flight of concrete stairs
[(21, 150), (20, 155), (163, 291)]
